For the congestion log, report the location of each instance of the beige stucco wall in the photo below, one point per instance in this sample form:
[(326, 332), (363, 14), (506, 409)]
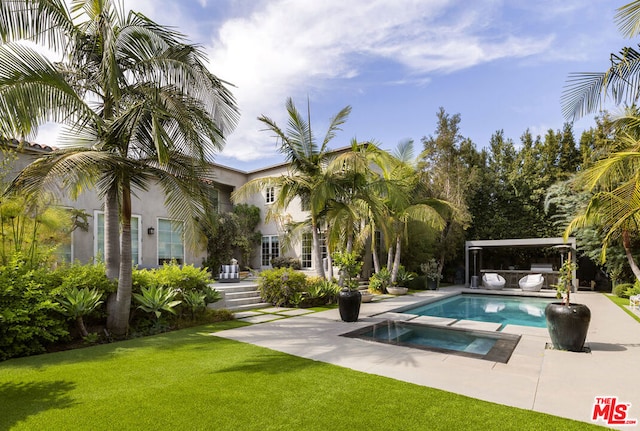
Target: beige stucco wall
[(149, 206)]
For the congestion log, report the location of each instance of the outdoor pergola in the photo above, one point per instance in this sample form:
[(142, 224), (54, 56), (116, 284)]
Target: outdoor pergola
[(475, 247)]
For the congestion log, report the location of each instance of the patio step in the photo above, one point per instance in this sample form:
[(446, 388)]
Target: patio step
[(239, 296)]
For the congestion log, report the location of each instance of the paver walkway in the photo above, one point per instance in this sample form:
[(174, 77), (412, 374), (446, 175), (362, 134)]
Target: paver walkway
[(556, 382)]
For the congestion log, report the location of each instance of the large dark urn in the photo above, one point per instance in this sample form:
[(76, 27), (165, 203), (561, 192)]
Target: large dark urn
[(349, 304), (567, 325)]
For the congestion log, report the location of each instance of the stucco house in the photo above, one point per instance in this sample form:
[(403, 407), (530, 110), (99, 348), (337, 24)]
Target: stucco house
[(156, 237)]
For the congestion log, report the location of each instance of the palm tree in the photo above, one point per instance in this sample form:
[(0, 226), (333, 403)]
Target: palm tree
[(615, 180), (404, 175), (614, 207), (138, 105), (587, 92), (358, 202), (306, 178)]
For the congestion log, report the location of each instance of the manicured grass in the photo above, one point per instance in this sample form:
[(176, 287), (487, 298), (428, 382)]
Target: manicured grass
[(623, 303), (189, 380)]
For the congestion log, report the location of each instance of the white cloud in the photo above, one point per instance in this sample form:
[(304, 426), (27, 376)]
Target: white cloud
[(293, 48), (273, 49)]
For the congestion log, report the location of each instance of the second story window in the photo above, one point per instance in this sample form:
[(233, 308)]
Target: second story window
[(270, 195)]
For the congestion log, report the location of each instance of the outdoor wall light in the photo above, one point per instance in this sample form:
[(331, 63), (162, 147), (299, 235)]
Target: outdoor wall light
[(151, 231)]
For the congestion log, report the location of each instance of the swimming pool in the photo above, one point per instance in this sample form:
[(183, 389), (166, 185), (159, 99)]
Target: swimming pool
[(487, 345), (506, 310)]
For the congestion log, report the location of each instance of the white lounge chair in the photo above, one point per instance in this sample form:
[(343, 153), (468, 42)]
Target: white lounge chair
[(634, 301), (493, 281), (531, 282)]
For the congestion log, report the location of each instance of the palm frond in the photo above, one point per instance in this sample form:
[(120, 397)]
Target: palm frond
[(628, 19)]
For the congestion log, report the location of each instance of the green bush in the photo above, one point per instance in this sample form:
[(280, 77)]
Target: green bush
[(404, 276), (379, 281), (286, 262), (622, 290), (318, 291), (278, 286), (189, 282), (30, 320), (185, 277), (91, 277), (417, 283)]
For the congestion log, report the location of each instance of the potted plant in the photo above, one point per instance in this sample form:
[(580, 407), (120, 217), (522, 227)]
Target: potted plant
[(567, 323), (431, 273), (402, 278), (349, 297)]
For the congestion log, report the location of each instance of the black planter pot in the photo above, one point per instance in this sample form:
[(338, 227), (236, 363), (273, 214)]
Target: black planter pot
[(349, 304), (568, 325), (432, 284)]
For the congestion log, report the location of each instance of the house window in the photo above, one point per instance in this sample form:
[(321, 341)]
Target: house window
[(270, 195), (307, 247), (269, 250), (215, 200), (64, 250), (170, 241), (98, 247), (323, 245)]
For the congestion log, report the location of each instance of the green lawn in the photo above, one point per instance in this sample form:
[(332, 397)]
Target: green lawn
[(189, 379), (623, 303)]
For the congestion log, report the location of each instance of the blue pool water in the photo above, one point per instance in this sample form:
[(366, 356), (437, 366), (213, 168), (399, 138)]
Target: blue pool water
[(506, 310)]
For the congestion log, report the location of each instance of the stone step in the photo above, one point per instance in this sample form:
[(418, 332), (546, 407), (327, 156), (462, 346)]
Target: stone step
[(233, 287), (246, 294), (250, 306), (241, 301)]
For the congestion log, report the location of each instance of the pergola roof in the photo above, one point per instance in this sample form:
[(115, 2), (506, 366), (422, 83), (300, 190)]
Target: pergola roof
[(521, 242)]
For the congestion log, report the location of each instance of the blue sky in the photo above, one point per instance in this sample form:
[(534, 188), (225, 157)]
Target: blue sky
[(499, 64)]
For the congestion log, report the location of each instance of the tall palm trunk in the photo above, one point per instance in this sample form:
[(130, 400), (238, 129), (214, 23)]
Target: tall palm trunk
[(316, 247), (118, 321), (396, 259), (390, 258), (111, 243), (626, 242)]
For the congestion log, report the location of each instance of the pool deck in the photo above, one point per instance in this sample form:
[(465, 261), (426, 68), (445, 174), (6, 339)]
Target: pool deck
[(536, 378)]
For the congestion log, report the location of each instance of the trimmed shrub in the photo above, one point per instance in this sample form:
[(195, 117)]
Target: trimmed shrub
[(622, 290), (278, 286), (30, 320), (185, 277), (286, 262), (89, 277)]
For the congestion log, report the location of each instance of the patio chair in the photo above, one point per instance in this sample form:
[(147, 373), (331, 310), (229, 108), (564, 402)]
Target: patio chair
[(493, 281), (634, 301), (531, 282)]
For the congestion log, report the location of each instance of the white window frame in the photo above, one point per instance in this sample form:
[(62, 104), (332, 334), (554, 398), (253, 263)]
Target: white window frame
[(96, 250), (158, 220), (271, 243), (270, 194)]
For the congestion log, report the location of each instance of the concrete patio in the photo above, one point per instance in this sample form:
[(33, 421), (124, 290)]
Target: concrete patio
[(555, 382)]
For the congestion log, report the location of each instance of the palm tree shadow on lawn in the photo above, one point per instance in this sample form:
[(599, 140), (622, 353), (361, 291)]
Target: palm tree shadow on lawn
[(23, 399)]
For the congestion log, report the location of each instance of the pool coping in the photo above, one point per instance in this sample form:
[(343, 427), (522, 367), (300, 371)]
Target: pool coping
[(535, 378)]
